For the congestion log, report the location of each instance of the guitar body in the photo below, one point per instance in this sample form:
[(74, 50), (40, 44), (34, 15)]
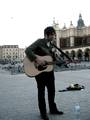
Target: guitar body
[(31, 70)]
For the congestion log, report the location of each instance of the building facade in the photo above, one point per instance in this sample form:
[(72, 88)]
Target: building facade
[(21, 54), (74, 41), (11, 53)]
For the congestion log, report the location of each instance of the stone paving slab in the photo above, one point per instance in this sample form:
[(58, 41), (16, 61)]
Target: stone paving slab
[(18, 96)]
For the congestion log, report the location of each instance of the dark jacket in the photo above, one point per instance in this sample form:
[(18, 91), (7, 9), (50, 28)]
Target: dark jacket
[(39, 47)]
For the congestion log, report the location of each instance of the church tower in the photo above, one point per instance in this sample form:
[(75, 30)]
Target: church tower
[(80, 22)]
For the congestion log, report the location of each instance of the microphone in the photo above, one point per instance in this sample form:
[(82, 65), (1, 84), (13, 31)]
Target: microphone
[(61, 51)]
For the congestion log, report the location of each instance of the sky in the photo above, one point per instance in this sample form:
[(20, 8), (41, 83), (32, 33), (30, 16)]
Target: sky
[(23, 21)]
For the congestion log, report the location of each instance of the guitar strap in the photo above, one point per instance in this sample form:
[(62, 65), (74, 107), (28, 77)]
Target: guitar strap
[(52, 50)]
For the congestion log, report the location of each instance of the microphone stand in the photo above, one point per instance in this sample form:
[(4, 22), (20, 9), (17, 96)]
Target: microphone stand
[(61, 51)]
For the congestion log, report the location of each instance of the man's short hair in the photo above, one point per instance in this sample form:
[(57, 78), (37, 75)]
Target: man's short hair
[(49, 30)]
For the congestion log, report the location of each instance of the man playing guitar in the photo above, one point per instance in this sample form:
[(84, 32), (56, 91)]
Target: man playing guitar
[(42, 47)]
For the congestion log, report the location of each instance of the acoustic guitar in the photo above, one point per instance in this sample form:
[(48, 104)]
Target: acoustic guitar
[(32, 69)]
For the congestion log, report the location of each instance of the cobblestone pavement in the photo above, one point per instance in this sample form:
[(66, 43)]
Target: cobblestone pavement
[(18, 96)]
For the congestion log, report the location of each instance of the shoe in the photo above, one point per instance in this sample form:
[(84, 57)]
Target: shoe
[(56, 112), (44, 117)]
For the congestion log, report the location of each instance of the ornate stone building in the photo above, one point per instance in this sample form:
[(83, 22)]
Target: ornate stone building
[(74, 41)]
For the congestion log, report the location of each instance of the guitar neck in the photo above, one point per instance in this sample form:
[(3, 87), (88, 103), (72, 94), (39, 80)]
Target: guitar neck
[(58, 63), (51, 63)]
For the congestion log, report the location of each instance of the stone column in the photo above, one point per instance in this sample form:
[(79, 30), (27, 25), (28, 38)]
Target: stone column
[(71, 41)]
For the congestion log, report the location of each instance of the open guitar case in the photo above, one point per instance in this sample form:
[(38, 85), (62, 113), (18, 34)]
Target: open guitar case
[(73, 87)]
